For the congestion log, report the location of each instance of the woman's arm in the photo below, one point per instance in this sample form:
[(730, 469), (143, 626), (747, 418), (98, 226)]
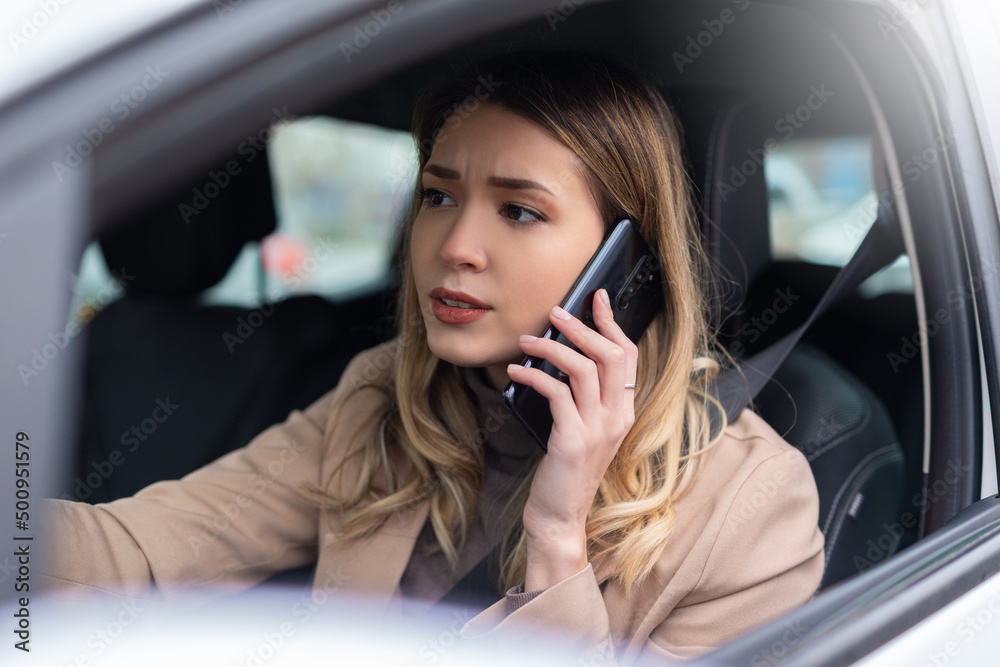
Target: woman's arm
[(590, 419), (233, 522), (751, 562)]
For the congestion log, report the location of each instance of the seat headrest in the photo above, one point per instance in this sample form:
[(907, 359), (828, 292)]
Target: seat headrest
[(185, 243), (724, 139)]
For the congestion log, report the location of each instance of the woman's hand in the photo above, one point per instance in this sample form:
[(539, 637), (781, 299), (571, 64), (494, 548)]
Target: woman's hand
[(589, 425)]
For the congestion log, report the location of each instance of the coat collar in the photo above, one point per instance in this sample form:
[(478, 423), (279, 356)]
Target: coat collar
[(372, 566)]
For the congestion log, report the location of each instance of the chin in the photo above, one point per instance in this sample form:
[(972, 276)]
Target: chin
[(462, 350)]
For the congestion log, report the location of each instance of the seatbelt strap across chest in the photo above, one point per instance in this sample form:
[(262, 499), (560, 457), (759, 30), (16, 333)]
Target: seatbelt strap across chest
[(737, 387)]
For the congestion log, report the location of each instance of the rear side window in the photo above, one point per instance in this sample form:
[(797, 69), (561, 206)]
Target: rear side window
[(822, 202), (821, 198), (341, 192)]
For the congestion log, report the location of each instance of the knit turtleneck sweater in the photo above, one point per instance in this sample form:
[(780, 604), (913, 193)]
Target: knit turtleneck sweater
[(508, 452)]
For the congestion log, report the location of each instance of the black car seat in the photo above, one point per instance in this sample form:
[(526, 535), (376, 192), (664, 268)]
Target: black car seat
[(171, 383), (832, 417)]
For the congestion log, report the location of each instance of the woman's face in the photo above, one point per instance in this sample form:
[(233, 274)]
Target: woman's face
[(507, 224)]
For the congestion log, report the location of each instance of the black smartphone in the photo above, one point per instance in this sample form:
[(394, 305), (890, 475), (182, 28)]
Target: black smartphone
[(627, 268)]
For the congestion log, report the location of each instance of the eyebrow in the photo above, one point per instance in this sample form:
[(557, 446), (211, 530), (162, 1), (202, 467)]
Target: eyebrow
[(496, 181)]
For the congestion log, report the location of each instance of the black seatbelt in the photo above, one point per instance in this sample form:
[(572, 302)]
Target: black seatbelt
[(737, 387)]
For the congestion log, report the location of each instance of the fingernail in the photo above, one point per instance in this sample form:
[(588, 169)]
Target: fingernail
[(560, 313), (604, 297), (512, 367), (527, 339)]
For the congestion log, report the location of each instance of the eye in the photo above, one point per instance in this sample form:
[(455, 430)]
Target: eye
[(521, 215), (433, 198)]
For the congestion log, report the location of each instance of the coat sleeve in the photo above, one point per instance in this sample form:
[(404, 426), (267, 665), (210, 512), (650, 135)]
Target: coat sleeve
[(572, 612), (764, 558), (231, 523)]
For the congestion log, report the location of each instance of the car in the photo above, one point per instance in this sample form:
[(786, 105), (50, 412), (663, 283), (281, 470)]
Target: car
[(200, 206)]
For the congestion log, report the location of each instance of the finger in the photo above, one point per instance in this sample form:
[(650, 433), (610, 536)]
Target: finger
[(604, 317), (604, 347), (619, 367), (561, 405), (583, 374)]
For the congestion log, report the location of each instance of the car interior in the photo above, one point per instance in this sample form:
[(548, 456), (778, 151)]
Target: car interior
[(786, 160)]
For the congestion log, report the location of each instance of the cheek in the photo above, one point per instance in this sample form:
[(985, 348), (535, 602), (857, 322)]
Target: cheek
[(542, 286), (419, 249)]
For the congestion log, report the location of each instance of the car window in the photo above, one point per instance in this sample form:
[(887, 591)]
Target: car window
[(822, 201), (341, 188)]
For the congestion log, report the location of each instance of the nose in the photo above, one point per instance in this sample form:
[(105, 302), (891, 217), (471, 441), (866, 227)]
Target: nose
[(464, 246)]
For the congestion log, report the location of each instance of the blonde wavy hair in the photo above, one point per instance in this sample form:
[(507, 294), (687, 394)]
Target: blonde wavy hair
[(629, 146)]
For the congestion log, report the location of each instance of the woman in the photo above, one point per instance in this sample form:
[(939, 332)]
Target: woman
[(638, 531)]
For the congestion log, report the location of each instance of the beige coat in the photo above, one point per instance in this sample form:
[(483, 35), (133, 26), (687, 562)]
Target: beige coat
[(746, 548)]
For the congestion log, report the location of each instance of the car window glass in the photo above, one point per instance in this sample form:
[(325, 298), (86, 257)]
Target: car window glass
[(341, 189), (822, 202)]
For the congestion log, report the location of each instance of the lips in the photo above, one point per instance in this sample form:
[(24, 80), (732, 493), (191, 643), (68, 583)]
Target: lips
[(461, 297), (452, 307)]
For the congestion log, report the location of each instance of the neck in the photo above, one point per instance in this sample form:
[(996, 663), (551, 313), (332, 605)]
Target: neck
[(497, 376)]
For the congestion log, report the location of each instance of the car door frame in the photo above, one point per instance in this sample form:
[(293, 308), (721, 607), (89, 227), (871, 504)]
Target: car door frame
[(268, 55)]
